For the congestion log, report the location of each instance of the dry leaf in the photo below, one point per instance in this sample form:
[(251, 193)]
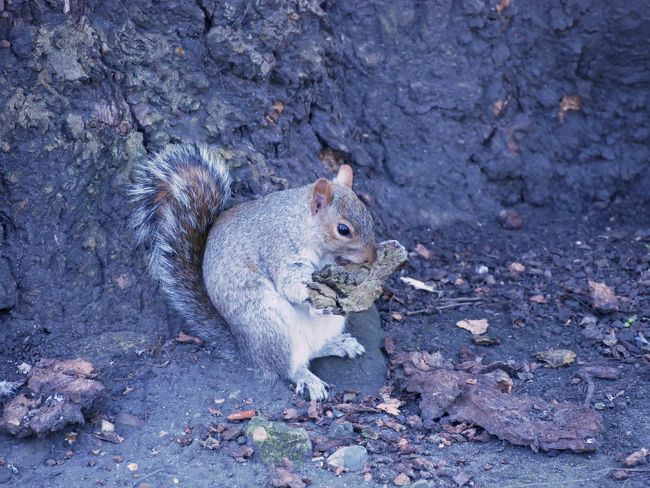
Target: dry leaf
[(610, 338), (538, 299), (290, 414), (184, 338), (569, 102), (132, 467), (516, 268), (554, 358), (390, 406), (502, 5), (71, 437), (423, 251), (603, 297), (402, 480), (417, 284), (498, 107), (242, 415), (636, 457), (476, 327)]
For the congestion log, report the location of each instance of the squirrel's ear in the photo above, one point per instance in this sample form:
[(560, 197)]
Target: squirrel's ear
[(344, 177), (322, 196)]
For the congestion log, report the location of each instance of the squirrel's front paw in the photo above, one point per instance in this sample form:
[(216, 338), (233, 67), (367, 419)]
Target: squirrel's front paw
[(319, 312), (313, 387)]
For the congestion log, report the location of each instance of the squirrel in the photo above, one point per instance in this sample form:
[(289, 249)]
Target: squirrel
[(250, 264)]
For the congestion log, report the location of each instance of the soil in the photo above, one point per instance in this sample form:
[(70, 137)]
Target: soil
[(448, 111), (161, 391)]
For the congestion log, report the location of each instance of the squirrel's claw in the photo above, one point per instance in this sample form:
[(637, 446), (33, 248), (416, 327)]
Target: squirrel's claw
[(311, 386)]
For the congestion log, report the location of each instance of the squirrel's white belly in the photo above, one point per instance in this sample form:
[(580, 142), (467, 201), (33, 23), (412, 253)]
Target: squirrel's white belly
[(313, 333)]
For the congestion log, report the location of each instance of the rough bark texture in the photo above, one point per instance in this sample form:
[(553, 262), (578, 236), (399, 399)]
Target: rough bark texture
[(445, 109)]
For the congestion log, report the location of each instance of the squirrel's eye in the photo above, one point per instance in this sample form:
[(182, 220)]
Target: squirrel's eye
[(343, 230)]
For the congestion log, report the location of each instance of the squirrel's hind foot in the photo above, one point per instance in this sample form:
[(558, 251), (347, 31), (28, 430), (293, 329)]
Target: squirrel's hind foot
[(308, 384)]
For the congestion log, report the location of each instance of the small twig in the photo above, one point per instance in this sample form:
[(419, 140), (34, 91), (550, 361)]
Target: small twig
[(146, 476), (591, 386), (463, 299), (456, 302)]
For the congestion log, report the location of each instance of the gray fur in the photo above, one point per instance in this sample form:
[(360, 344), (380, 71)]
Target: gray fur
[(172, 216)]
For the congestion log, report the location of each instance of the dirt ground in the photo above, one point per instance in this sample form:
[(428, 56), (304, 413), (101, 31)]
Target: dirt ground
[(448, 112), (161, 395)]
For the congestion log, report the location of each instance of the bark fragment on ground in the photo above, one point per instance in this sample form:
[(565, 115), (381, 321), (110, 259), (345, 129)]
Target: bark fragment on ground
[(354, 288), (56, 393), (485, 400)]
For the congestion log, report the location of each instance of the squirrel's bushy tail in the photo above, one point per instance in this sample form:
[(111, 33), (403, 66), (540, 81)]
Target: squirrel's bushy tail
[(178, 194)]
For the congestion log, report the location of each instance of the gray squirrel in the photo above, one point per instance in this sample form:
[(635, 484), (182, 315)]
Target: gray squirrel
[(250, 264)]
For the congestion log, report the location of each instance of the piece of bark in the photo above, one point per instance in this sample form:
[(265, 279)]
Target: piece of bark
[(57, 391), (353, 287), (483, 399)]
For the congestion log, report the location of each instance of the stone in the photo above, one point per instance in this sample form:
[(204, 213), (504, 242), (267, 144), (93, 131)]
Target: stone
[(422, 484), (341, 430), (366, 373), (351, 458), (274, 441)]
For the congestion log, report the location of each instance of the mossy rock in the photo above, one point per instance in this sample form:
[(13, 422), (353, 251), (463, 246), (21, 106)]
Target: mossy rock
[(273, 441)]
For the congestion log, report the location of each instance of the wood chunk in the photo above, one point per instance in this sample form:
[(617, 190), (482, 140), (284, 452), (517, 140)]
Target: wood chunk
[(58, 391), (520, 419), (354, 288)]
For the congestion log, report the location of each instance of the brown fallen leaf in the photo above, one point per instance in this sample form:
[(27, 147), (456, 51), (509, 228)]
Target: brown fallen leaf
[(498, 106), (502, 5), (510, 219), (184, 338), (538, 299), (610, 339), (390, 406), (603, 297), (636, 457), (242, 452), (402, 479), (569, 102), (423, 251), (417, 284), (315, 410), (554, 358), (278, 108), (71, 437), (476, 327), (389, 345), (290, 414), (242, 415), (112, 437), (516, 268), (285, 478)]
